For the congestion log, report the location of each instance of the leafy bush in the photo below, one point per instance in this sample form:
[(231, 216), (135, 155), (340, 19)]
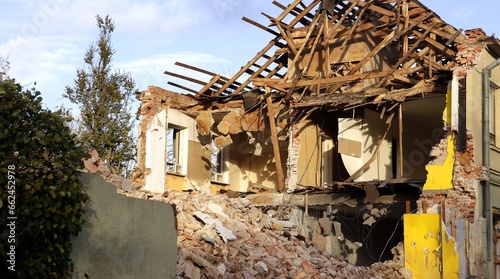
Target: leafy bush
[(38, 170)]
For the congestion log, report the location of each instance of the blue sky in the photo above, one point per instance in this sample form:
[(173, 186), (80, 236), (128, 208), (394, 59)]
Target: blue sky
[(45, 40)]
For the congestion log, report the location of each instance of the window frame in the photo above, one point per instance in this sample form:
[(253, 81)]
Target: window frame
[(219, 172), (179, 143)]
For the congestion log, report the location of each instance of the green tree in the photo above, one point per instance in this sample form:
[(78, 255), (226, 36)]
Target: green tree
[(104, 97), (4, 67), (41, 199)]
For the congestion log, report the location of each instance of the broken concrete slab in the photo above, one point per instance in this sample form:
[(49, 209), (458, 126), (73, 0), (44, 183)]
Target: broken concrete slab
[(204, 122), (223, 231), (127, 185), (222, 141), (90, 166)]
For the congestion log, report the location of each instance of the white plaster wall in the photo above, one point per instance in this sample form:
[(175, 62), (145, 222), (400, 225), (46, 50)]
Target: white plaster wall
[(351, 128), (178, 118), (368, 131), (155, 154)]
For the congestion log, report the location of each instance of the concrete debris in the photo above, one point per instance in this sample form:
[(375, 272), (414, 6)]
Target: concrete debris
[(222, 237), (338, 231), (101, 168), (258, 150), (90, 166), (261, 267), (263, 247), (222, 141), (231, 123), (94, 156), (369, 221), (251, 139), (104, 170), (223, 231), (204, 122), (127, 185)]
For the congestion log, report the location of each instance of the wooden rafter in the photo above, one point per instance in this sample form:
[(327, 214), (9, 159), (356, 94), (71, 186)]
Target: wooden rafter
[(402, 60), (334, 80)]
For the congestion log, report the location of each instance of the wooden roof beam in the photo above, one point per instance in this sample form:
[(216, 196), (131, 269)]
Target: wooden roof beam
[(394, 34), (334, 80), (247, 66), (304, 20), (182, 87), (287, 10), (190, 79), (442, 48), (208, 85), (356, 23), (303, 13), (376, 8), (255, 74), (261, 26), (286, 35), (405, 56), (311, 29), (223, 79)]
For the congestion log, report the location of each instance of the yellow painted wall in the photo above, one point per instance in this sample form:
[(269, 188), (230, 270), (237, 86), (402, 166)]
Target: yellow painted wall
[(429, 249), (421, 243), (450, 255), (175, 182), (440, 177)]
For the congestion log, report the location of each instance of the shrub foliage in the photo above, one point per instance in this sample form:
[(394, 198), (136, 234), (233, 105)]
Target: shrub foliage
[(38, 149)]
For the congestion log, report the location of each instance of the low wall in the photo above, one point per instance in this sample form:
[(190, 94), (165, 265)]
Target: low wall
[(123, 237)]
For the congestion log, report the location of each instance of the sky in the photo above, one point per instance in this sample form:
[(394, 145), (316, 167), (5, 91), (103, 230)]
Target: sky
[(45, 40)]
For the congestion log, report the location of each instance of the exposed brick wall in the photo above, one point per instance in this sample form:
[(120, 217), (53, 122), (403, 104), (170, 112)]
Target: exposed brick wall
[(460, 202), (154, 99), (293, 156), (469, 53)]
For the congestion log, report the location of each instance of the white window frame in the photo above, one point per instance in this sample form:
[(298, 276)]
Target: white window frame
[(181, 154), (222, 175)]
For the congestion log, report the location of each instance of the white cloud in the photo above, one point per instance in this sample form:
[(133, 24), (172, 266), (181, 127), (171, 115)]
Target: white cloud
[(149, 71)]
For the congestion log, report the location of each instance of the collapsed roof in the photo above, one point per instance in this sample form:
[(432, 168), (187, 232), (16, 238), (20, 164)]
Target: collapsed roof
[(341, 54)]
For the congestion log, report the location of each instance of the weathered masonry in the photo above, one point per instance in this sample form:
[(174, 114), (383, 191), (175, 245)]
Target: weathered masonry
[(376, 112)]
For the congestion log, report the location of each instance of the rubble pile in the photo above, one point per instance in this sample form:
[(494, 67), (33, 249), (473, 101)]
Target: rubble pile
[(222, 237)]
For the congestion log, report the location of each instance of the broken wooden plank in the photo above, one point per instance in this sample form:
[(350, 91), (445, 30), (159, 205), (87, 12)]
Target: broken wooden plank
[(182, 87), (254, 23), (301, 49), (274, 139), (208, 85), (288, 10), (286, 36), (400, 115), (190, 79), (332, 80), (248, 65), (303, 13)]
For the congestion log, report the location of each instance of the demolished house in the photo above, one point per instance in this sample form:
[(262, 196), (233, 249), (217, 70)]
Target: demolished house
[(376, 118)]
